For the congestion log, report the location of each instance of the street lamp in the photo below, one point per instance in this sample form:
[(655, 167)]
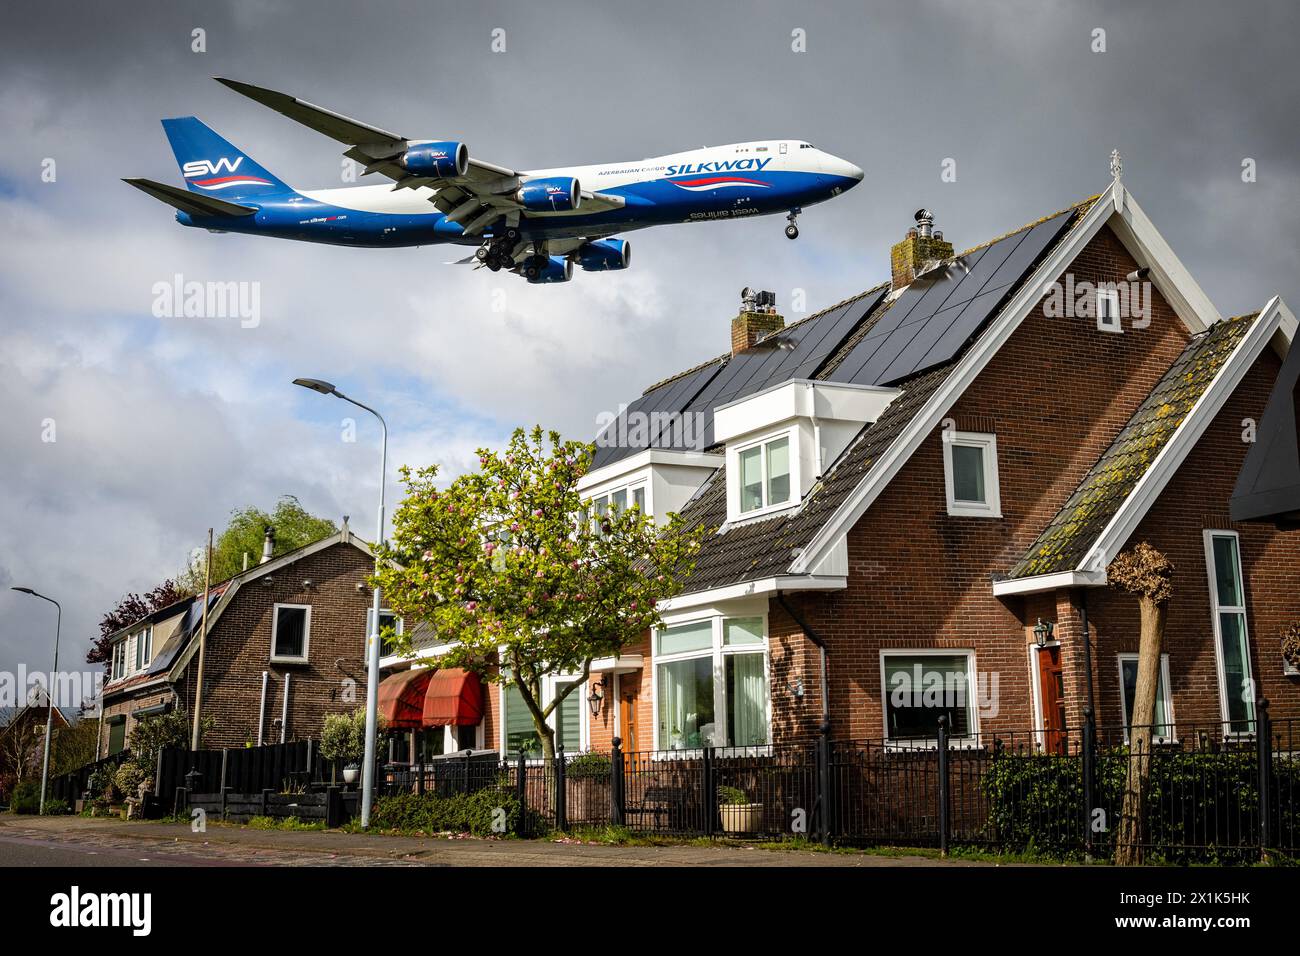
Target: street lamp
[(49, 691), (372, 638)]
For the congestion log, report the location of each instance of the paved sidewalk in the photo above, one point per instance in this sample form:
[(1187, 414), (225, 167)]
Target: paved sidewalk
[(174, 844)]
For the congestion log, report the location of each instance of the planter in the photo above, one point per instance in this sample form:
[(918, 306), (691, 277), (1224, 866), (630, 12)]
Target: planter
[(351, 773), (741, 817)]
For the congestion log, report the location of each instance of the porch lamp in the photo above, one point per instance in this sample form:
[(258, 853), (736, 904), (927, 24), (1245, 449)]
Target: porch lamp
[(1043, 632), (49, 691), (596, 696), (372, 637)]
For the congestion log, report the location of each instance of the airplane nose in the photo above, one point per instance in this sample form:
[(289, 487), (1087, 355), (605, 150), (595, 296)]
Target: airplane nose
[(834, 166)]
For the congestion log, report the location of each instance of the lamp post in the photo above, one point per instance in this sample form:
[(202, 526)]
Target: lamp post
[(49, 691), (372, 638)]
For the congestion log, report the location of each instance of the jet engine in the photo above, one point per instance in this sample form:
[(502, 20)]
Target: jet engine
[(554, 194), (438, 160), (605, 255), (557, 269)]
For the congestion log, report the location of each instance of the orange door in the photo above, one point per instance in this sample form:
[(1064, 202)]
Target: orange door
[(1051, 690), (627, 723)]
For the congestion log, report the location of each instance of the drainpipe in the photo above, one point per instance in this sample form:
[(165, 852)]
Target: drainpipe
[(261, 711), (1087, 644), (826, 810), (817, 435), (284, 709)]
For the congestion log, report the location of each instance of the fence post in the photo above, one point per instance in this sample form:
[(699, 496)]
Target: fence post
[(521, 791), (710, 794), (943, 786), (182, 802), (824, 795), (1264, 755), (1089, 779), (561, 797), (333, 806), (266, 802), (616, 783)]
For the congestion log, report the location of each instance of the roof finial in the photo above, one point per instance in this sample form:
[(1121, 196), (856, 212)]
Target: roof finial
[(1116, 165)]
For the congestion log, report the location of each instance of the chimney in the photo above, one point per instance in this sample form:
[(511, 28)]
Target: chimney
[(922, 244), (268, 544), (757, 319)]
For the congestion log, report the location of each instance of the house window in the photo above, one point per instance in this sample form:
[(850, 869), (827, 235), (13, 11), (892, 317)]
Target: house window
[(970, 466), (619, 499), (1164, 713), (116, 735), (390, 626), (567, 718), (764, 475), (143, 648), (1231, 639), (711, 684), (1108, 316), (920, 687), (290, 633), (119, 660)]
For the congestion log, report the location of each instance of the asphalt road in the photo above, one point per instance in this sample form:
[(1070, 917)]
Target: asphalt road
[(35, 851)]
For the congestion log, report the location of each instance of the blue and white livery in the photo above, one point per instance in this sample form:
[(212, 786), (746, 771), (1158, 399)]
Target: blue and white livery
[(538, 223)]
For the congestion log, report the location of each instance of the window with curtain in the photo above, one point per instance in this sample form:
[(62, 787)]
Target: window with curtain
[(921, 688), (1232, 645), (521, 735), (568, 719), (712, 690)]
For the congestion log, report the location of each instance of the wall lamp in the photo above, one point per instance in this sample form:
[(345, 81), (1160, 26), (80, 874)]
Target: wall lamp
[(1043, 632)]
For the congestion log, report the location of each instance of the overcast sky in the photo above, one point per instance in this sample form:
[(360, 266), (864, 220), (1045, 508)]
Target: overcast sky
[(163, 425)]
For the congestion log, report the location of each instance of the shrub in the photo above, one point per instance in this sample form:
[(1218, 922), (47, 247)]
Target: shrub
[(55, 807), (589, 766), (343, 737), (26, 797), (153, 733), (474, 813), (128, 777)]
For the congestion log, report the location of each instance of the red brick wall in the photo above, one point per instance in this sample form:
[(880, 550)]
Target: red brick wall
[(239, 650), (1055, 395)]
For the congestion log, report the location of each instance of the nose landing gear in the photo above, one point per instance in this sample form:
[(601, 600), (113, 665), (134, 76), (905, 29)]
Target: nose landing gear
[(792, 229)]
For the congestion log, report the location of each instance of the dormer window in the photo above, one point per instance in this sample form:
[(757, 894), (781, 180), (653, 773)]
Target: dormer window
[(970, 466), (765, 475)]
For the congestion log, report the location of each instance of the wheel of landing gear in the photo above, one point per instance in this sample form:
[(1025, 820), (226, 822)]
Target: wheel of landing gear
[(792, 231), (481, 253), (512, 234), (494, 263), (531, 272)]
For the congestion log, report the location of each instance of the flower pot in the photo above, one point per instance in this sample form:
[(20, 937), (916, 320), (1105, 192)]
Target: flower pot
[(741, 817), (350, 773)]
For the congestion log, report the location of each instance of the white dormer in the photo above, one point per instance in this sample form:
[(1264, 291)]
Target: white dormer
[(659, 480), (780, 440)]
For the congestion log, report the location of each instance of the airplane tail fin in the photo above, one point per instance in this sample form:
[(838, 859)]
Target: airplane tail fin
[(214, 167)]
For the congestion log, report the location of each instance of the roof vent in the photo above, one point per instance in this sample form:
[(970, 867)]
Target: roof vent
[(268, 544), (925, 224)]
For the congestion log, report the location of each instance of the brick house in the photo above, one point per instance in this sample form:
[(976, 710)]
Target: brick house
[(920, 489), (286, 646)]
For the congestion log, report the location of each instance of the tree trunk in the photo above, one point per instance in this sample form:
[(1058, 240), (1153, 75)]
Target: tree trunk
[(1128, 849)]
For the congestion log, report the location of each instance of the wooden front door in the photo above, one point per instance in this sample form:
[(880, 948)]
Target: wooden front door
[(627, 722), (1051, 692)]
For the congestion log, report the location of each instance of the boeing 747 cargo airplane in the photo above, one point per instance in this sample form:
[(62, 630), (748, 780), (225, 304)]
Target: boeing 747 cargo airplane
[(537, 223)]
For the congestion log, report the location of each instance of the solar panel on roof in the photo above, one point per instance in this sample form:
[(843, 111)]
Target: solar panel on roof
[(933, 317), (671, 398)]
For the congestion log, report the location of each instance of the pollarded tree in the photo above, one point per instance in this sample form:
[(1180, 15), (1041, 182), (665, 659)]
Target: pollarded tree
[(510, 565), (1148, 574)]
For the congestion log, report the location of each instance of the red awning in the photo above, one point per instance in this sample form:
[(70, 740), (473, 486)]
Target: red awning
[(401, 699), (454, 698)]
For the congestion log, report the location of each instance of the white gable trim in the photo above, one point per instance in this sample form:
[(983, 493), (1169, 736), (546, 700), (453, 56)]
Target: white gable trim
[(1048, 582), (1114, 206)]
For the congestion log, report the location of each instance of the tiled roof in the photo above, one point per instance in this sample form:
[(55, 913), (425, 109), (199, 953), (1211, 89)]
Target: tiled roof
[(764, 548), (1066, 541)]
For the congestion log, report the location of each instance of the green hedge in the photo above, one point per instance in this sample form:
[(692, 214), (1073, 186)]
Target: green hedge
[(458, 813), (1201, 806)]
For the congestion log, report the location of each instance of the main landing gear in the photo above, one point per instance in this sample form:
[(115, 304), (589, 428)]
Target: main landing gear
[(792, 230), (498, 254)]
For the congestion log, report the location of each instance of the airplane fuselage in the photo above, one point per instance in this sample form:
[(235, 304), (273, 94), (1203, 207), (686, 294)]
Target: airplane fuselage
[(703, 185)]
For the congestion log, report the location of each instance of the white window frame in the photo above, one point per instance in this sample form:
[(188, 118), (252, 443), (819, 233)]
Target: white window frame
[(548, 694), (641, 484), (306, 635), (1164, 682), (972, 699), (987, 442), (398, 630), (1108, 303), (718, 652), (734, 512), (1211, 574), (143, 647), (118, 661)]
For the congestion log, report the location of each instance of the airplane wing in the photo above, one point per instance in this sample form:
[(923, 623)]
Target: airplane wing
[(190, 202), (476, 200)]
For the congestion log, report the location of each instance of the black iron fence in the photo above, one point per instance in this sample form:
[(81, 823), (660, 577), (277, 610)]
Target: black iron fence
[(1217, 793)]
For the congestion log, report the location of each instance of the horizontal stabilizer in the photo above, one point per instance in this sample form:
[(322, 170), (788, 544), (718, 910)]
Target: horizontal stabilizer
[(192, 203)]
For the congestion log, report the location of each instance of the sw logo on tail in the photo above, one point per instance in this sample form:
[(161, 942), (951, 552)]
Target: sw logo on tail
[(538, 223)]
